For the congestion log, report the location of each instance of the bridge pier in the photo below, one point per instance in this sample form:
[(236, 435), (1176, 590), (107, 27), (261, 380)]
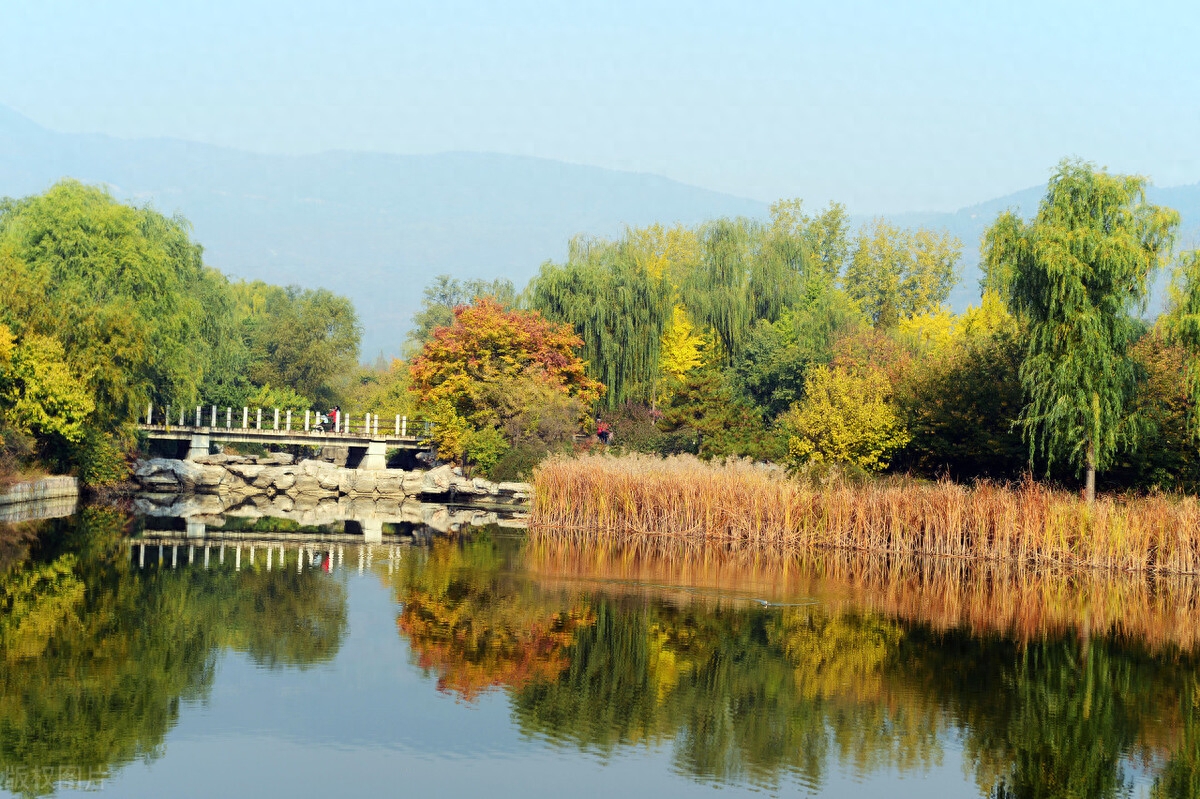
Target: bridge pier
[(375, 458), (198, 447)]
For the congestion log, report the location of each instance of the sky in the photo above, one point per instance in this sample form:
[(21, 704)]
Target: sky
[(884, 106)]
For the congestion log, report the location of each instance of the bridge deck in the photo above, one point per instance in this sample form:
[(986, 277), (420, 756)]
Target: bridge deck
[(272, 436)]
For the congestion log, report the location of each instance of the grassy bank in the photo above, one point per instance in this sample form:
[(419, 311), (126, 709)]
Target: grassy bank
[(738, 503)]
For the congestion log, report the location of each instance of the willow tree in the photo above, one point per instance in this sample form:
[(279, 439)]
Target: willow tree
[(617, 307), (745, 274), (1079, 273)]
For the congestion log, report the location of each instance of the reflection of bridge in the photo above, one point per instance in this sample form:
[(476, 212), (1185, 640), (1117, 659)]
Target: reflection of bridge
[(362, 437), (324, 552)]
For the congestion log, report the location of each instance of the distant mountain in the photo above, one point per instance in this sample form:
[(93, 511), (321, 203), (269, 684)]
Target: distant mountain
[(371, 226), (377, 227)]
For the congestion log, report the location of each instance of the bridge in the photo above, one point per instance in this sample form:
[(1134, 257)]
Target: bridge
[(367, 445)]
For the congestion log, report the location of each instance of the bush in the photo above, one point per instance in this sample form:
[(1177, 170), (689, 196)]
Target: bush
[(99, 460)]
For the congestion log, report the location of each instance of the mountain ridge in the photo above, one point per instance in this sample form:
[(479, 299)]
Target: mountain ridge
[(378, 226)]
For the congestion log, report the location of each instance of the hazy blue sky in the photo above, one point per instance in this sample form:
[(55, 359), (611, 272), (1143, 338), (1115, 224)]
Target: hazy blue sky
[(885, 106)]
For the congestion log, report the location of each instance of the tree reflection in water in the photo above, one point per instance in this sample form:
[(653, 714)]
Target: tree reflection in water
[(865, 679), (95, 659)]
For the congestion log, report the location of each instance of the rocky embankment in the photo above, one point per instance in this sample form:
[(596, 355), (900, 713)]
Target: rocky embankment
[(310, 481)]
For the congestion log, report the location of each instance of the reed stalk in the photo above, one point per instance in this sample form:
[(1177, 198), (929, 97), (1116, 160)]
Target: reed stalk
[(738, 502)]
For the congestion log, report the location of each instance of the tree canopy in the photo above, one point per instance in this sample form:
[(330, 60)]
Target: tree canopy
[(1077, 275)]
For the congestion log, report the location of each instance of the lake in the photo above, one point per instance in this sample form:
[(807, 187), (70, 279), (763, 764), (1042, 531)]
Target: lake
[(261, 658)]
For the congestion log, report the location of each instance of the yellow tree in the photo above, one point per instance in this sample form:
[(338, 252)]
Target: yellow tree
[(846, 417)]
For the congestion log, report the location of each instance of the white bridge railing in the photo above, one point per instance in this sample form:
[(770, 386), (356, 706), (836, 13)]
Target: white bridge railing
[(367, 424)]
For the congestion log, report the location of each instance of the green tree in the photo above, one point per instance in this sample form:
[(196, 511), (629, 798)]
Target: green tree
[(302, 339), (118, 287), (744, 275), (619, 309), (778, 355), (1080, 272), (896, 273)]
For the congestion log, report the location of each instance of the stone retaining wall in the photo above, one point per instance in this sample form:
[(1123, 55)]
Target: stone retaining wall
[(38, 490), (310, 480)]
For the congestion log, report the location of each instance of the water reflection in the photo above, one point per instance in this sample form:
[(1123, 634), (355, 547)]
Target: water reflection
[(747, 670), (97, 661), (743, 691)]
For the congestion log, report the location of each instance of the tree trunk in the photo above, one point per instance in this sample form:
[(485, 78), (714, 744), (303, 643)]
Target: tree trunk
[(1090, 484)]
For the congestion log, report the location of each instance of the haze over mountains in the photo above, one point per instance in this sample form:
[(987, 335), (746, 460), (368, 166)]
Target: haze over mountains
[(377, 227)]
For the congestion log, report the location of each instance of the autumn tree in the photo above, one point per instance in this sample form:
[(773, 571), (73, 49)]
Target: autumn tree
[(846, 417), (459, 367), (1080, 273), (444, 294), (896, 273)]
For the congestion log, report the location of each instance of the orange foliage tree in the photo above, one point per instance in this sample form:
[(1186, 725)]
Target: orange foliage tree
[(486, 353)]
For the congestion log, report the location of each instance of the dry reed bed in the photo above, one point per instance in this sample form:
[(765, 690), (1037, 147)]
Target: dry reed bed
[(598, 496), (945, 594)]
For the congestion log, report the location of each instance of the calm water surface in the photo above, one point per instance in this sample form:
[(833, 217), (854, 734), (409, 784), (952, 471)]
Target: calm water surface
[(489, 665)]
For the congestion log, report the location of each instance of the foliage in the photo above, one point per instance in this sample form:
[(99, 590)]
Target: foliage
[(383, 389), (619, 308), (118, 287), (302, 339), (485, 447), (1079, 272), (846, 417), (39, 395), (961, 401), (778, 355), (741, 278), (823, 237), (706, 414), (896, 273), (1183, 326), (443, 295), (503, 369), (282, 398), (682, 346), (100, 459), (1166, 457)]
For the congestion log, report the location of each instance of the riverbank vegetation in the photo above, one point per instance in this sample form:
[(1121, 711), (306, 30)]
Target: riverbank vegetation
[(800, 342), (742, 503), (106, 308)]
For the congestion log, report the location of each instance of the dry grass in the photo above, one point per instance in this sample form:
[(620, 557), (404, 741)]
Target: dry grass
[(738, 503), (943, 593)]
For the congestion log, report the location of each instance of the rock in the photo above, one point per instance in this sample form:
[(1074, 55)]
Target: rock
[(277, 459), (284, 481), (437, 481), (305, 485), (247, 471)]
